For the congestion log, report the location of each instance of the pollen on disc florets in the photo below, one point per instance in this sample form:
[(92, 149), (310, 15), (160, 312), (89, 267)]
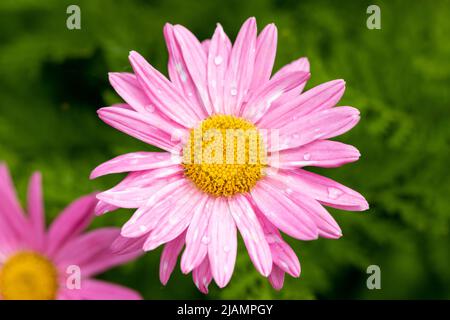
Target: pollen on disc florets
[(28, 276), (224, 155)]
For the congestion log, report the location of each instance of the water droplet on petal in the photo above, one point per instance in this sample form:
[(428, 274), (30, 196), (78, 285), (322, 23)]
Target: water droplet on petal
[(149, 108), (218, 60), (143, 228), (334, 193), (306, 156), (226, 248), (205, 240), (233, 91), (295, 136)]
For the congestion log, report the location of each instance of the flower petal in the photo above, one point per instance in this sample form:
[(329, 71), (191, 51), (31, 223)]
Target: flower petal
[(266, 48), (252, 233), (196, 62), (222, 245), (140, 127), (70, 223), (178, 70), (325, 190), (36, 210), (240, 67), (320, 153), (136, 161), (163, 93), (196, 236), (122, 245), (202, 276), (276, 278), (261, 99), (319, 98), (316, 126), (218, 56), (282, 211), (169, 257)]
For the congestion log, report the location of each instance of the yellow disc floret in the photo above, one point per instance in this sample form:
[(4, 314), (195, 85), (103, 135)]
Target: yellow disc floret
[(28, 276), (224, 155)]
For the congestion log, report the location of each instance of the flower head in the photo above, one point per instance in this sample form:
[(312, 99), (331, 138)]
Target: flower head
[(59, 263), (236, 139)]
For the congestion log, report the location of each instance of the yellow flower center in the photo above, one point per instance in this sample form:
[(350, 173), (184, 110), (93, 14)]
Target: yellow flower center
[(224, 155), (28, 276)]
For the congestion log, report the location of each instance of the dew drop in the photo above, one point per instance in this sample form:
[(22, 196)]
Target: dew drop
[(306, 156), (218, 60), (143, 228), (334, 193), (149, 108), (295, 136), (226, 248), (205, 240), (233, 91)]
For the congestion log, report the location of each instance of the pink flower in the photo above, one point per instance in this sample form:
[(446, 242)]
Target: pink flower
[(59, 263), (215, 86)]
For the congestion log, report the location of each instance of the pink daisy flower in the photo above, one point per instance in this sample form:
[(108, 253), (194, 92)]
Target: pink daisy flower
[(186, 201), (59, 263)]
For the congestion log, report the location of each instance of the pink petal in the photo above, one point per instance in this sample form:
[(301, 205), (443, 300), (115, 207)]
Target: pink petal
[(301, 64), (169, 257), (135, 190), (266, 48), (163, 93), (138, 126), (175, 220), (252, 233), (261, 99), (282, 254), (319, 98), (240, 67), (316, 126), (218, 56), (103, 207), (92, 252), (222, 245), (276, 278), (205, 45), (158, 204), (70, 223), (14, 225), (178, 70), (196, 62), (202, 276), (196, 236), (136, 161), (36, 210), (282, 211), (122, 245), (320, 153), (326, 191), (100, 290)]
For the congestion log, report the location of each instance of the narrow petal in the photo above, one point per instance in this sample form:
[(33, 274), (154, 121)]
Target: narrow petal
[(266, 48), (102, 207), (158, 204), (202, 276), (240, 67), (100, 290), (283, 212), (163, 93), (71, 222), (139, 126), (169, 257), (276, 278), (319, 98), (320, 153), (325, 190), (196, 62), (316, 126), (222, 245), (174, 221), (178, 70), (36, 210), (261, 99), (205, 45), (197, 236), (252, 233), (135, 190), (136, 161), (218, 56), (122, 245)]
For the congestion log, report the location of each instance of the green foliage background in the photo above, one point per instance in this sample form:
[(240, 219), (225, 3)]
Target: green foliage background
[(53, 80)]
